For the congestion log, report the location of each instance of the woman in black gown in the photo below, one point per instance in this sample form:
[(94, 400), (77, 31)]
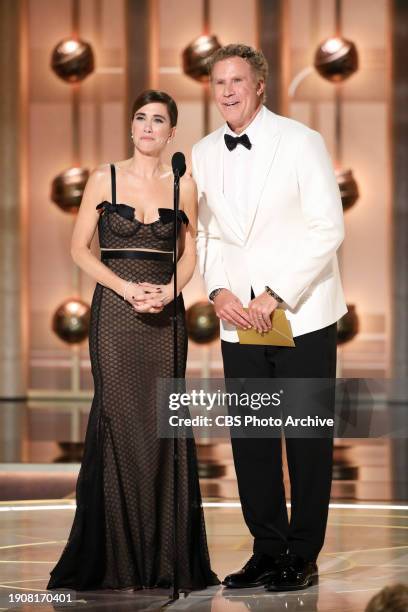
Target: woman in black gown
[(123, 531)]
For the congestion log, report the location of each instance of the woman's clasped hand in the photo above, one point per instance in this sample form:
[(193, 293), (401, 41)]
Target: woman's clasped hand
[(148, 297)]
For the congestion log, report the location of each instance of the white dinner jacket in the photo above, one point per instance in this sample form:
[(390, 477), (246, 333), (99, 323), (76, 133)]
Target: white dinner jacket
[(295, 224)]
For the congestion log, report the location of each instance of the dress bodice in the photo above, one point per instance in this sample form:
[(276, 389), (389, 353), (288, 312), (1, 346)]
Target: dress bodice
[(119, 228)]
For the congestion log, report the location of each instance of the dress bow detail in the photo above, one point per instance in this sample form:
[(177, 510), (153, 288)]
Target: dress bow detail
[(167, 215), (125, 211)]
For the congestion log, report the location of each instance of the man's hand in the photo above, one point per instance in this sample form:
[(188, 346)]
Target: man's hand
[(229, 308), (260, 310)]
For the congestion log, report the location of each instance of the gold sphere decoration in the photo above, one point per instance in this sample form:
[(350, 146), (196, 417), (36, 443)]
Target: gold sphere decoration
[(202, 323), (71, 321), (336, 59), (72, 60), (196, 55), (348, 188), (348, 325), (67, 188), (71, 452)]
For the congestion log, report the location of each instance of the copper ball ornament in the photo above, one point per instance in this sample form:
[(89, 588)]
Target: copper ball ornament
[(67, 188), (348, 325), (71, 452), (72, 60), (336, 59), (202, 323), (71, 321), (196, 56), (348, 188), (344, 467)]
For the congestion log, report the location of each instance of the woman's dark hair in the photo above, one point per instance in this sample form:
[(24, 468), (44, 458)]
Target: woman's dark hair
[(154, 95)]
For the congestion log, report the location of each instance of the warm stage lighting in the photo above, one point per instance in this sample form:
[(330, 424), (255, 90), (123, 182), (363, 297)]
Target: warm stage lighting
[(202, 323), (348, 188), (71, 321), (336, 59), (68, 187), (72, 60), (196, 56)]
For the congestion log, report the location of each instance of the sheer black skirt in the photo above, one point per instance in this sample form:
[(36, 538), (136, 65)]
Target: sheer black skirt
[(123, 530)]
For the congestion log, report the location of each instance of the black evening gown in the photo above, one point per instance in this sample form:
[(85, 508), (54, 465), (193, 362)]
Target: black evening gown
[(122, 534)]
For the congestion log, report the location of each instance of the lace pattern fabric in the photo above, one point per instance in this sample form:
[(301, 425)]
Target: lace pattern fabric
[(122, 533)]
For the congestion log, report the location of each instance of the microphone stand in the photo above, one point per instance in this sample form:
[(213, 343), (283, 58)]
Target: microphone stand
[(176, 197)]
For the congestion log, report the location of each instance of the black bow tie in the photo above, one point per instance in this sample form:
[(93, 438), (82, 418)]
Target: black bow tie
[(233, 141)]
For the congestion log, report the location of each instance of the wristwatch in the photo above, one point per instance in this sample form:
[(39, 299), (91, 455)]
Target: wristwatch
[(273, 294), (214, 293)]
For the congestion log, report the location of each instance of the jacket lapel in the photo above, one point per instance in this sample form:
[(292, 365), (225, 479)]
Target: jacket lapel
[(225, 215), (266, 146)]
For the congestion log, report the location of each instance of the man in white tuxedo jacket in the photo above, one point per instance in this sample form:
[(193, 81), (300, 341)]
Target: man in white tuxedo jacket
[(270, 222)]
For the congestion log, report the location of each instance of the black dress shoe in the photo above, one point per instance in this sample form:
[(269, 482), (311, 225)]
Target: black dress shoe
[(294, 573), (259, 570)]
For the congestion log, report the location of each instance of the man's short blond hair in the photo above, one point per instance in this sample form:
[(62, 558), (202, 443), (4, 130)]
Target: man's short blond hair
[(254, 57)]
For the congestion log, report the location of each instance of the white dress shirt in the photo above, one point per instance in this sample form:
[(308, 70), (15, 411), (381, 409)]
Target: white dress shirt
[(237, 166)]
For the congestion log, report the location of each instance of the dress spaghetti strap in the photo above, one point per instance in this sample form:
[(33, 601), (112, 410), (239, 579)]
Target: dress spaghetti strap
[(113, 182)]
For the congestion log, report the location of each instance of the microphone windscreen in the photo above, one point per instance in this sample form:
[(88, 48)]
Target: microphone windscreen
[(178, 163)]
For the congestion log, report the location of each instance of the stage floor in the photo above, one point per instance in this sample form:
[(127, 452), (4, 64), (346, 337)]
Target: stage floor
[(366, 549)]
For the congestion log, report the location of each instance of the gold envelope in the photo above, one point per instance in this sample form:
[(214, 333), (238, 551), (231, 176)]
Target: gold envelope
[(279, 335)]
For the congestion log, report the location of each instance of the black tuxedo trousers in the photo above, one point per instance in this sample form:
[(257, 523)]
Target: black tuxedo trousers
[(258, 462)]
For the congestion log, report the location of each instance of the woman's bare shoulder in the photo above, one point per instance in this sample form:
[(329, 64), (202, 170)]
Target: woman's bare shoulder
[(187, 183), (101, 172), (98, 184)]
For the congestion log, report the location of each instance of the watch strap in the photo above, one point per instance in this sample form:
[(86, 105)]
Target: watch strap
[(273, 294)]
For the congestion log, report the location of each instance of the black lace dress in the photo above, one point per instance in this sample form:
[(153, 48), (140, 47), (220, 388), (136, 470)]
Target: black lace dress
[(123, 530)]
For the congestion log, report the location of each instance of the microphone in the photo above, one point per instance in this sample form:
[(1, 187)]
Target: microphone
[(178, 163)]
